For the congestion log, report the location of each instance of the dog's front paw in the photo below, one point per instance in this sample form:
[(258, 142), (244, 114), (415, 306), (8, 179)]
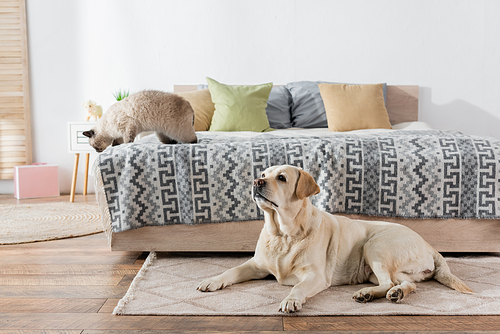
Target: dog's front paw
[(212, 284), (395, 295), (290, 305), (363, 296)]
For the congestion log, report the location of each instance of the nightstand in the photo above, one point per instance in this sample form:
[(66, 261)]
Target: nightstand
[(78, 143)]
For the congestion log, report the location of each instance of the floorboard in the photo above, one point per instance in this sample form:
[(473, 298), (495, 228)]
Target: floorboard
[(29, 331), (74, 321), (51, 305), (109, 305), (60, 279), (72, 286), (271, 332), (82, 291), (75, 251), (70, 269), (393, 323), (47, 259)]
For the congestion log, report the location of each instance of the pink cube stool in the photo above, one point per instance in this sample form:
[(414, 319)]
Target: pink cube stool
[(36, 180)]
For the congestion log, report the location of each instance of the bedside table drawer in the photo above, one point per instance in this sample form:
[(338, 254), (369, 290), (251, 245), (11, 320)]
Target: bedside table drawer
[(77, 141)]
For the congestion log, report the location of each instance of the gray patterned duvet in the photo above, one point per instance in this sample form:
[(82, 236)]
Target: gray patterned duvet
[(414, 174)]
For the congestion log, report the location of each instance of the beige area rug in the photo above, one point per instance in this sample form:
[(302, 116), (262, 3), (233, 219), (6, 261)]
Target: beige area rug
[(21, 223), (166, 285)]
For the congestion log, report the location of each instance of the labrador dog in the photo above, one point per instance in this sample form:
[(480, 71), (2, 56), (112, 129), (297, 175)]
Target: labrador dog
[(312, 250)]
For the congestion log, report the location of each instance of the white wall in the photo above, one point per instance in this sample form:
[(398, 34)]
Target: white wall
[(86, 49)]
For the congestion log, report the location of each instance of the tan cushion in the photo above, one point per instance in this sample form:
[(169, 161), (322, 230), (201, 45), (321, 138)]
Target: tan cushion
[(203, 107), (354, 107)]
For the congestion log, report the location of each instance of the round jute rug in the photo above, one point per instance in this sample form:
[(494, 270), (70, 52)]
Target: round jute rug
[(21, 223)]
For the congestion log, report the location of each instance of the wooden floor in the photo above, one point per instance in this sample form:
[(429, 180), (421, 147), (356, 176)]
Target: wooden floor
[(72, 286)]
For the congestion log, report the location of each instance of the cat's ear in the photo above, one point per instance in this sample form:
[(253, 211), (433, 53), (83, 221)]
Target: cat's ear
[(89, 133), (117, 142)]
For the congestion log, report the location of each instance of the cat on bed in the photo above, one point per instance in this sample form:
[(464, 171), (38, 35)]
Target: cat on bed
[(167, 114)]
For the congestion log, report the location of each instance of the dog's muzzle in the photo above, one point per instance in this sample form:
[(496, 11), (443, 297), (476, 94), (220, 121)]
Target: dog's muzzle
[(258, 185)]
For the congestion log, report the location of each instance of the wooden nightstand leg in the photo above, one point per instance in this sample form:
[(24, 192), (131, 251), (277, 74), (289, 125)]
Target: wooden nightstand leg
[(73, 184), (87, 157)]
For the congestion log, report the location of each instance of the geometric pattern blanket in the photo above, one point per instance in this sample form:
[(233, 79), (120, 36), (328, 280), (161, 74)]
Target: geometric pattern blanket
[(412, 174)]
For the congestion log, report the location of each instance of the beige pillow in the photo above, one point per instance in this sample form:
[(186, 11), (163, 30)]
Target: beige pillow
[(203, 107), (354, 107)]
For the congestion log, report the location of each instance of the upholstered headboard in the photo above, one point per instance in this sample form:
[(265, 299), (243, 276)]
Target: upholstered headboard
[(401, 101)]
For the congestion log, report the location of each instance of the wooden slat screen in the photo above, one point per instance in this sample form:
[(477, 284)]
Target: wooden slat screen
[(15, 126)]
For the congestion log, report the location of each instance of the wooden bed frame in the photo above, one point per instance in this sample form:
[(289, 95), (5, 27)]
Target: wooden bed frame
[(446, 235)]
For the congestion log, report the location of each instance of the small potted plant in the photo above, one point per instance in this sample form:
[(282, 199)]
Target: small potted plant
[(120, 95)]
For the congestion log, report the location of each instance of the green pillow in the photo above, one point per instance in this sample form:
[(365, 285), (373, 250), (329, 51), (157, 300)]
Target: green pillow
[(239, 108)]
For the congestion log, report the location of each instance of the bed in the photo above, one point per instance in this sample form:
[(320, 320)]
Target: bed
[(457, 212)]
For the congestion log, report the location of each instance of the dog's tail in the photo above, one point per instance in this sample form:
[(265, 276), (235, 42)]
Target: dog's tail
[(443, 275)]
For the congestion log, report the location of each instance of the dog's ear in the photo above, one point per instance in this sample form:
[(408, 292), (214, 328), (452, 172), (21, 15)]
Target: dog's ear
[(306, 186), (89, 133)]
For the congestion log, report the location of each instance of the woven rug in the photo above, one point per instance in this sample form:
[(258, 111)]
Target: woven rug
[(166, 285), (21, 223)]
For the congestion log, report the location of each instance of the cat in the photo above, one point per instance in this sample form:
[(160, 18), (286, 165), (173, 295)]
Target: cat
[(167, 114)]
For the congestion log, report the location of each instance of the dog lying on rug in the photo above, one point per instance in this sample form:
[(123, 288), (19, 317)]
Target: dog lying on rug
[(169, 115), (312, 250)]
